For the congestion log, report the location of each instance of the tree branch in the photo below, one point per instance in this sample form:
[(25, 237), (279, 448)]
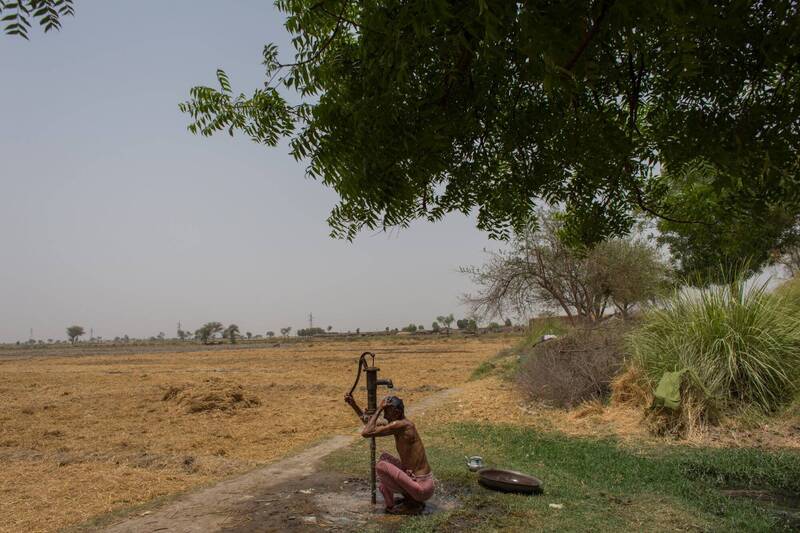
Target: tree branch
[(605, 5)]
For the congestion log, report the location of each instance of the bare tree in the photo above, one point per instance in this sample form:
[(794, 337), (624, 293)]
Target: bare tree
[(539, 271)]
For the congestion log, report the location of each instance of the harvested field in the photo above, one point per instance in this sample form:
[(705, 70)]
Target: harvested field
[(81, 436)]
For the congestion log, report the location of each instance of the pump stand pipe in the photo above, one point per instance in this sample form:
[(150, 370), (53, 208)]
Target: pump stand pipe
[(372, 404)]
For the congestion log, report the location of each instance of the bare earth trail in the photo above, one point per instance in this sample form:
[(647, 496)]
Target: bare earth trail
[(222, 505)]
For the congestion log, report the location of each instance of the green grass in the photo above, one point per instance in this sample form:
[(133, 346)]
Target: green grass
[(506, 362), (602, 485), (740, 345)]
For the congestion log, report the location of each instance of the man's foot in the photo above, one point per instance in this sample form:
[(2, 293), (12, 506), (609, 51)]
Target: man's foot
[(408, 507)]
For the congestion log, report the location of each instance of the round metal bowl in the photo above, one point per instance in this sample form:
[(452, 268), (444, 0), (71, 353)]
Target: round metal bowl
[(509, 481)]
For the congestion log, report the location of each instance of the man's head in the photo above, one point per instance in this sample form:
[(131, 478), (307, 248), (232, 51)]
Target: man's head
[(394, 410)]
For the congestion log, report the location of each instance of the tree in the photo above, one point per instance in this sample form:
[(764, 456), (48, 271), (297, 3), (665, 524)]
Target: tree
[(249, 335), (207, 331), (539, 271), (420, 327), (329, 328), (73, 332), (230, 333), (182, 335), (435, 327), (467, 324), (161, 336), (285, 331), (500, 103), (411, 328), (630, 271), (735, 229), (542, 271), (17, 15), (310, 332), (446, 320), (507, 323), (270, 334)]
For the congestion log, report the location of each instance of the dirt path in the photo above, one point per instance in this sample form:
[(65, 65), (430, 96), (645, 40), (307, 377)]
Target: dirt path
[(222, 505)]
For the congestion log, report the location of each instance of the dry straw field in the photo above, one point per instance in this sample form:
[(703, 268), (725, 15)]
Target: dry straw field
[(84, 435)]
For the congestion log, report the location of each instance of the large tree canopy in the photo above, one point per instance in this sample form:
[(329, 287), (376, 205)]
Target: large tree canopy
[(418, 108)]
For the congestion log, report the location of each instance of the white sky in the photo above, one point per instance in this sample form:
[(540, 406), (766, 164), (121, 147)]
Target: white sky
[(115, 218)]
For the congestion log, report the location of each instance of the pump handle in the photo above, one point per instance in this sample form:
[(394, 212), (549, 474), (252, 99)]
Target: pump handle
[(362, 363)]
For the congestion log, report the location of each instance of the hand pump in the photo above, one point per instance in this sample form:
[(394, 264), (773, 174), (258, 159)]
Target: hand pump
[(372, 403)]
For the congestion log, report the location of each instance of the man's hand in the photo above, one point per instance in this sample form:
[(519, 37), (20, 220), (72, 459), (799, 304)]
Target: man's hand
[(349, 400), (382, 405)]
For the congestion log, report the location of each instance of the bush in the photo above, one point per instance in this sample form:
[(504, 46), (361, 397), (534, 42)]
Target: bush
[(739, 344), (575, 368)]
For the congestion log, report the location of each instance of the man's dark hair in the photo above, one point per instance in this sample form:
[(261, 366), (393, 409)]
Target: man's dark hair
[(397, 403)]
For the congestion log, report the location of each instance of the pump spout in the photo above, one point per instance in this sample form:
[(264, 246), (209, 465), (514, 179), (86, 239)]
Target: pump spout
[(387, 382)]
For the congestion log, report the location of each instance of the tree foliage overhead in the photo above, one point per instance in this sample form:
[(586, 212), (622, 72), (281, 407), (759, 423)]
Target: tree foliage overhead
[(418, 108), (16, 16)]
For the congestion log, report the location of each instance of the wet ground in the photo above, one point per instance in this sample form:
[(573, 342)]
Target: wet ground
[(321, 502)]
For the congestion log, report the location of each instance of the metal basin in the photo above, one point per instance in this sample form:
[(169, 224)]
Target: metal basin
[(509, 481)]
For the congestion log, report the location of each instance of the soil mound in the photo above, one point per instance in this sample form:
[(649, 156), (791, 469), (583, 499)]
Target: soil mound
[(212, 394)]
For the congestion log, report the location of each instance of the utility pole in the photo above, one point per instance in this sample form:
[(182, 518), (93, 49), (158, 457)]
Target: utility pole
[(31, 337), (310, 320)]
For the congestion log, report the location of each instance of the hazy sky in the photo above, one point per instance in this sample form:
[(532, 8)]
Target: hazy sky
[(114, 217)]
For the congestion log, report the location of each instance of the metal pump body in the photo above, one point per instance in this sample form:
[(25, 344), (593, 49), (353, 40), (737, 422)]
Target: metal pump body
[(372, 403)]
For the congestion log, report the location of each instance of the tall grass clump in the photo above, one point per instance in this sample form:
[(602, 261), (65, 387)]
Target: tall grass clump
[(739, 345)]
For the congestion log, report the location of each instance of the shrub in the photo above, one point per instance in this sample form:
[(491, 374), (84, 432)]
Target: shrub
[(575, 368), (739, 344)]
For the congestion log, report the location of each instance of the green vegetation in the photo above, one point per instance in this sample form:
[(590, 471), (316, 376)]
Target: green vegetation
[(467, 324), (17, 15), (477, 92), (739, 344), (310, 332), (206, 333), (231, 332), (73, 332), (602, 485)]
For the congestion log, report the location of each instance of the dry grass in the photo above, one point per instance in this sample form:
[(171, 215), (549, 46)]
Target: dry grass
[(82, 436), (630, 389), (495, 400)]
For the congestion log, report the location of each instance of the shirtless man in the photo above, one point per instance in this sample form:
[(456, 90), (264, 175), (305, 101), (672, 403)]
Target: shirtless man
[(410, 475)]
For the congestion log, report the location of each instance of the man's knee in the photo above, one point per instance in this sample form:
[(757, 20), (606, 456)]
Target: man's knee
[(382, 466)]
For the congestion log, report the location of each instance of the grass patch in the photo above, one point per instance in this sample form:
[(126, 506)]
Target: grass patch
[(602, 485), (506, 362), (739, 345)]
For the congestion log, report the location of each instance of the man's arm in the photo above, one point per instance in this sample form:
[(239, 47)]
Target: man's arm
[(349, 400), (372, 429)]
